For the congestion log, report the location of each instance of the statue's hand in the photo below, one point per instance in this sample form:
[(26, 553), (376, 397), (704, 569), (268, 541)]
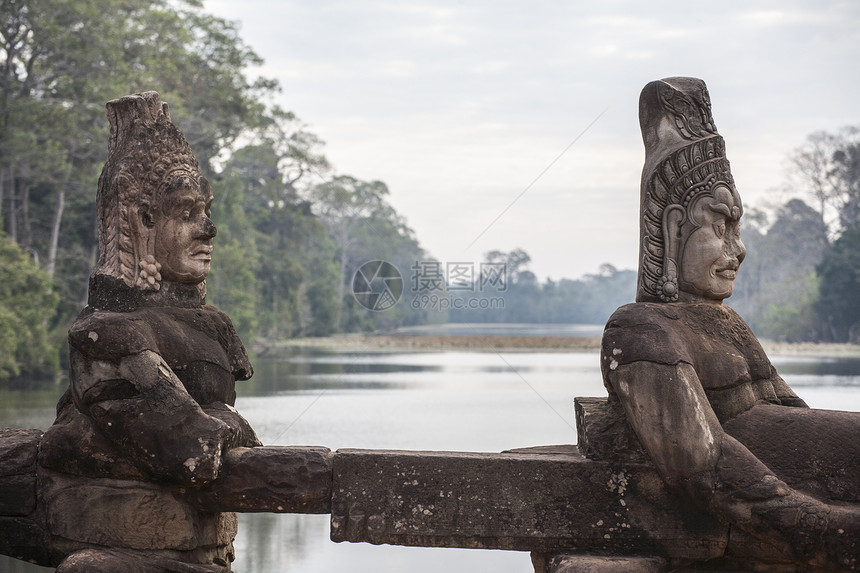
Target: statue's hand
[(811, 531), (201, 444), (241, 435), (841, 540)]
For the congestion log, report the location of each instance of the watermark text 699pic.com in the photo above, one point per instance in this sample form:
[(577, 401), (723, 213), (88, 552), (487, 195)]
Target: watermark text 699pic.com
[(435, 285)]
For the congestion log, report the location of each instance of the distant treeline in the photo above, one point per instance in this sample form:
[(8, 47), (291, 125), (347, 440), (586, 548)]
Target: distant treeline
[(291, 231), (589, 300)]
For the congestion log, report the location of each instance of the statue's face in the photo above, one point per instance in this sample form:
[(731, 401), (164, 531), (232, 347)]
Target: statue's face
[(713, 249), (184, 231)]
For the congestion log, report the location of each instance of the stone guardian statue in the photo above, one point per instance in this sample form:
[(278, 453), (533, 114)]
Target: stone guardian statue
[(149, 410), (721, 426)]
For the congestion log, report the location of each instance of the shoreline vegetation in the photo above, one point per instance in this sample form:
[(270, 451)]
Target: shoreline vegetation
[(390, 343)]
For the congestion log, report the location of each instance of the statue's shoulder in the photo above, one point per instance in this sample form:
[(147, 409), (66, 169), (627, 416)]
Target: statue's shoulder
[(643, 317), (229, 339), (653, 332), (640, 313), (107, 335)]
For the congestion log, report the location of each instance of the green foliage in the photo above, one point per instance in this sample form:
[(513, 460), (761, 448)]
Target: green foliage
[(281, 281), (827, 167), (776, 284), (27, 304), (795, 285), (364, 227), (62, 60), (277, 272), (839, 301), (795, 321)]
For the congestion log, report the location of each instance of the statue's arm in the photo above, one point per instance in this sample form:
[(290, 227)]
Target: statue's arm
[(138, 403), (786, 395), (669, 411)]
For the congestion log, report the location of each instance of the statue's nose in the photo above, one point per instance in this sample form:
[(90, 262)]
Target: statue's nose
[(209, 230), (737, 250)]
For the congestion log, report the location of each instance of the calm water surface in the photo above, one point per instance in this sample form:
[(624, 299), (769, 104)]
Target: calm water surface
[(468, 401)]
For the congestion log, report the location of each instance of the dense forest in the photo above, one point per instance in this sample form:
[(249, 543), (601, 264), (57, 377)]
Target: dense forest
[(289, 229), (292, 231)]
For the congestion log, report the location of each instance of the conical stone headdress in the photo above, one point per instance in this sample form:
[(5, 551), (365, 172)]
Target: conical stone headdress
[(145, 150), (685, 158)]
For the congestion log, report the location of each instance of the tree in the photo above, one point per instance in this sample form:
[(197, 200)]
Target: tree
[(60, 61), (278, 270), (839, 301), (589, 300), (827, 167), (351, 208), (27, 305), (281, 277), (778, 273)]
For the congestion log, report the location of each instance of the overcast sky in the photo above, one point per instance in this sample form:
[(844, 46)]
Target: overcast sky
[(460, 105)]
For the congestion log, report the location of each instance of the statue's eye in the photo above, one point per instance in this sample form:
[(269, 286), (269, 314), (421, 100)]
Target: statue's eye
[(186, 215), (720, 229)]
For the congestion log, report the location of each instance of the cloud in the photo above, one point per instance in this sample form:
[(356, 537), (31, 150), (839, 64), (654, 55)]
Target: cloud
[(458, 105)]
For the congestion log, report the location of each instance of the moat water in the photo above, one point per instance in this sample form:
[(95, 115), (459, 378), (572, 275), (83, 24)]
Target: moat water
[(466, 401)]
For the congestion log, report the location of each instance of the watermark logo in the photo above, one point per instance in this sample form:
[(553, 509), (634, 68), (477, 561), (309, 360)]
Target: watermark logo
[(377, 285)]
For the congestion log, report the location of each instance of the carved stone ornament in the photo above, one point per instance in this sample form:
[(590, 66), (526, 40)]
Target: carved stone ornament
[(151, 178), (685, 160)]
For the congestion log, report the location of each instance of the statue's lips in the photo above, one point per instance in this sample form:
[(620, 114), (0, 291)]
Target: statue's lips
[(203, 253), (728, 273)]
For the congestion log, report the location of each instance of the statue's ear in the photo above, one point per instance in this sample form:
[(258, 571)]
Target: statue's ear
[(673, 218)]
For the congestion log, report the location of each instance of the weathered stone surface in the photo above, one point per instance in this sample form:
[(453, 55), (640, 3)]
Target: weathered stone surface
[(732, 367), (23, 538), (272, 479), (17, 495), (528, 502), (815, 451), (129, 514), (74, 445), (572, 563), (603, 432), (18, 454), (18, 451), (115, 560), (823, 443)]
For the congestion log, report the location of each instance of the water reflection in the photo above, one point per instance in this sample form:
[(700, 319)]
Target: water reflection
[(502, 329), (847, 368), (451, 401), (468, 401), (32, 408)]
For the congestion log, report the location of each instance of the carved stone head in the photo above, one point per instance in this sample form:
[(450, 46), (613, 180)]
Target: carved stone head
[(690, 210), (153, 202)]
